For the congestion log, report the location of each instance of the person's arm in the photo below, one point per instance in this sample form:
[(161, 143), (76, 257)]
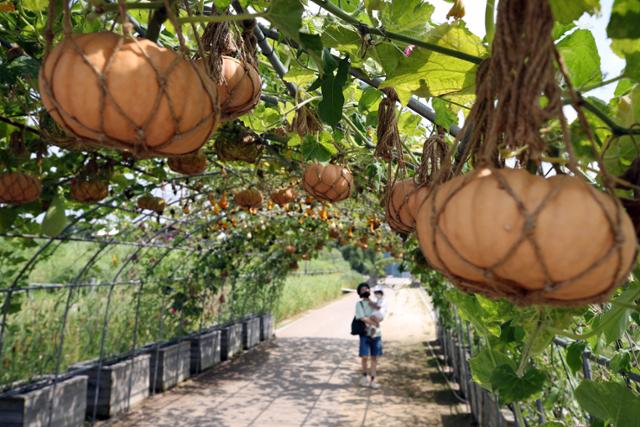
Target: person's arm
[(360, 314)]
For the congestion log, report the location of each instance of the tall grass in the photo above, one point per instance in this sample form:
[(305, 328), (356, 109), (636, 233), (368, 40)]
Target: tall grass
[(302, 292)]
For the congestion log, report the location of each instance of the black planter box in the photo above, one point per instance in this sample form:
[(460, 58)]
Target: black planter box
[(170, 365), (205, 351), (123, 384), (31, 408), (230, 340), (250, 332), (266, 326)]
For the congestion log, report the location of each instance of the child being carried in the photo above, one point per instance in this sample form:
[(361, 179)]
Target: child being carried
[(380, 306)]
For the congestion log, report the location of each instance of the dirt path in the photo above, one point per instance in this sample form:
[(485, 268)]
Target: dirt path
[(308, 376)]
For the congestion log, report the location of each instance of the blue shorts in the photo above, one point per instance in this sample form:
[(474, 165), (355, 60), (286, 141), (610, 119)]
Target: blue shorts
[(370, 346)]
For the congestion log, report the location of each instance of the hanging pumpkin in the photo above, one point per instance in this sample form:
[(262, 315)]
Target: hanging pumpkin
[(231, 63), (92, 183), (191, 164), (237, 143), (399, 206), (152, 203), (328, 183), (283, 196), (89, 190), (404, 197), (248, 199), (129, 94), (505, 232), (18, 188), (240, 88)]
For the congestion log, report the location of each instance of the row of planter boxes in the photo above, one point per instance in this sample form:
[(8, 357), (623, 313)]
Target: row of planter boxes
[(98, 391)]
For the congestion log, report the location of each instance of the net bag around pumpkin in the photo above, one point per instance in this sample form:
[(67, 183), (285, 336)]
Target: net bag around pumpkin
[(403, 197), (504, 232), (116, 91), (230, 60), (92, 184), (248, 199), (17, 188), (235, 142), (327, 183), (191, 164)]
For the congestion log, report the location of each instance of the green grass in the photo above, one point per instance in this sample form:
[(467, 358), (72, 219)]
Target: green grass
[(34, 332), (303, 292)]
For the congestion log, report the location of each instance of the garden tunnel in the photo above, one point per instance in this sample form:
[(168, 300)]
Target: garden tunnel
[(375, 89)]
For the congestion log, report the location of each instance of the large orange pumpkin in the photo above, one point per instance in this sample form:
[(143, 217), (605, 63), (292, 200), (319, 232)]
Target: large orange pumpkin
[(19, 188), (191, 164), (249, 199), (240, 88), (402, 203), (128, 94), (507, 233), (329, 183)]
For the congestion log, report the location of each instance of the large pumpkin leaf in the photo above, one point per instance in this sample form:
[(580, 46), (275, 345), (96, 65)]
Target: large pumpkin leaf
[(407, 16), (512, 388), (581, 56), (299, 75), (609, 401), (625, 16), (436, 73), (286, 15), (567, 11), (342, 38), (484, 363)]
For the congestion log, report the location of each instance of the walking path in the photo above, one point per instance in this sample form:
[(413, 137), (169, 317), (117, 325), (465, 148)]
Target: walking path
[(308, 377)]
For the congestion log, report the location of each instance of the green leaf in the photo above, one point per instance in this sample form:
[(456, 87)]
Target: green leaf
[(299, 76), (615, 321), (369, 99), (553, 424), (434, 73), (470, 310), (444, 116), (7, 218), (484, 363), (625, 16), (609, 401), (581, 56), (632, 70), (312, 44), (512, 388), (387, 55), (286, 15), (313, 149), (348, 6), (342, 38), (330, 107), (35, 5), (574, 355), (567, 11), (407, 16), (55, 219)]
